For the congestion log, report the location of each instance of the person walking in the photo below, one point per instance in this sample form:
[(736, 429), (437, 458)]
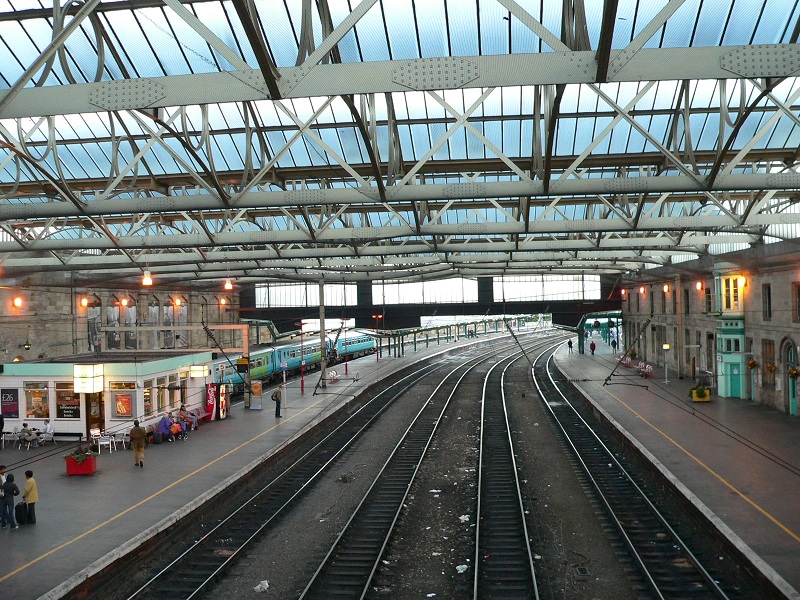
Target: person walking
[(276, 398), (569, 345), (592, 347), (8, 491), (30, 495), (138, 435), (614, 345)]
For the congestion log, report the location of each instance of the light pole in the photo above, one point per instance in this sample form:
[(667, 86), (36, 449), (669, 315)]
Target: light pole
[(666, 363), (302, 361), (378, 349), (344, 345)]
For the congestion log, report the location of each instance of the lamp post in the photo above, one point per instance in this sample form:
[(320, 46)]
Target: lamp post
[(666, 363), (378, 349), (302, 361), (346, 349)]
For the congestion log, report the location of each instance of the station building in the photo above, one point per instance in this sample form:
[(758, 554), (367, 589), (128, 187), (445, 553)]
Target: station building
[(731, 321)]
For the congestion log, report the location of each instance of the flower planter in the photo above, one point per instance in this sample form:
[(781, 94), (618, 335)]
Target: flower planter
[(705, 398), (87, 467)]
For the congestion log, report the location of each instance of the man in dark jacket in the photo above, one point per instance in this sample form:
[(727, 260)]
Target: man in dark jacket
[(138, 435)]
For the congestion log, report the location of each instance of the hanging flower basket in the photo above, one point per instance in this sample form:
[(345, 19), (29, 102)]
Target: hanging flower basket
[(752, 363), (772, 367), (793, 373)]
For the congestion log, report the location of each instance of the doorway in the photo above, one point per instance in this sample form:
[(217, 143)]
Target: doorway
[(95, 412)]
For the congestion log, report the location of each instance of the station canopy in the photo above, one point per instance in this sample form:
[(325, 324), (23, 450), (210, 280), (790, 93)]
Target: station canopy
[(395, 140)]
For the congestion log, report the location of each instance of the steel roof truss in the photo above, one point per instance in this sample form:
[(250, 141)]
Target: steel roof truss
[(459, 122)]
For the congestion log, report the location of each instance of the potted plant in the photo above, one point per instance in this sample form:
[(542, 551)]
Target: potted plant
[(700, 393), (793, 372), (81, 461), (772, 367), (752, 363)]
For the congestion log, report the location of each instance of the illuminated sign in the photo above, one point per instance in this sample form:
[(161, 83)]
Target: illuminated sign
[(87, 379), (199, 371)]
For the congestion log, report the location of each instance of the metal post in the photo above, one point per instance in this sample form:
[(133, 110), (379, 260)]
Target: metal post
[(666, 363), (302, 363)]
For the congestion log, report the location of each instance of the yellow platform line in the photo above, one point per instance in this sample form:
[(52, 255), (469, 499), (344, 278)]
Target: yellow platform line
[(150, 497), (719, 477)]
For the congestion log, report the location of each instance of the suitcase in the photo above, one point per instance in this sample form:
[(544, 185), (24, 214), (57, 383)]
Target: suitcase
[(157, 437), (21, 513)]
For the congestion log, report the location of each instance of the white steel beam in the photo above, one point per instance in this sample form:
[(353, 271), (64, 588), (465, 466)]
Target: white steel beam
[(368, 197), (648, 64)]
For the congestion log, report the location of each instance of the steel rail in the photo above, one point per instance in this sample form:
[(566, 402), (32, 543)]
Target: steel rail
[(504, 566), (665, 561), (350, 564), (189, 575)]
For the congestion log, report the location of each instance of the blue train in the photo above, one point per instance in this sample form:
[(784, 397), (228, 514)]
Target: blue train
[(266, 361)]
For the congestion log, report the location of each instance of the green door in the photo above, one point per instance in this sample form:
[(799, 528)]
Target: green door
[(735, 382), (792, 396)]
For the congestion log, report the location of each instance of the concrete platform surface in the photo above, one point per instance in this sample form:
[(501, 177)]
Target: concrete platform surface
[(738, 460)]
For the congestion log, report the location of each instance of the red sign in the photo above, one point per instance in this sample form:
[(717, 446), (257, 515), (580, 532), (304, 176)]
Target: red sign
[(211, 401), (123, 405)]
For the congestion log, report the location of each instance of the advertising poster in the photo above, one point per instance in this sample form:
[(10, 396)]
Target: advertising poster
[(223, 401), (211, 401), (9, 403), (124, 405), (68, 405)]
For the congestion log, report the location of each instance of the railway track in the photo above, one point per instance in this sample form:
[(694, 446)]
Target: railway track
[(190, 574), (666, 563), (503, 556), (194, 570)]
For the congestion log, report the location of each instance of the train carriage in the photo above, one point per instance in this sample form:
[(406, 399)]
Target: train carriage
[(266, 360)]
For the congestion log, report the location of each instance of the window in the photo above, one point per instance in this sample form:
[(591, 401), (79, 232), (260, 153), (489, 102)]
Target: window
[(768, 363), (37, 400), (68, 403), (709, 300), (304, 294), (652, 302), (173, 390), (686, 302), (122, 396), (730, 293), (532, 288), (147, 395), (796, 301), (161, 389), (766, 302), (663, 302), (674, 302)]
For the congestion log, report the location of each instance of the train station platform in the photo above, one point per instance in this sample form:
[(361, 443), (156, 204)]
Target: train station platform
[(737, 460), (85, 522)]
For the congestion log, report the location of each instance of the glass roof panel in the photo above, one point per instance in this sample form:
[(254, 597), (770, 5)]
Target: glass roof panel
[(462, 19), (403, 38), (372, 36)]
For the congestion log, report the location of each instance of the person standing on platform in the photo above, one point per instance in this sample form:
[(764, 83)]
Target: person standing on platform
[(569, 345), (592, 347), (138, 435), (30, 494), (614, 345), (276, 398), (9, 491)]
